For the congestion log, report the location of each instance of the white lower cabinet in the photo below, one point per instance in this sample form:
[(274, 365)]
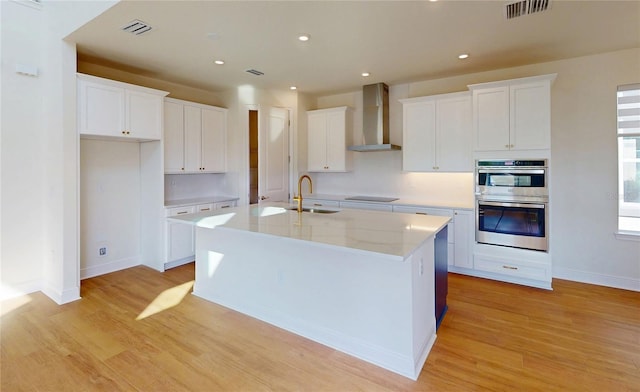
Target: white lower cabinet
[(514, 265), (464, 233), (180, 237)]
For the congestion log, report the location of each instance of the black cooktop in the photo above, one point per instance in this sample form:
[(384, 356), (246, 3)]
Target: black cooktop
[(372, 198)]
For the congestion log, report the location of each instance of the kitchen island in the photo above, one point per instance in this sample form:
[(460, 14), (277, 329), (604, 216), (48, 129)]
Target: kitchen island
[(361, 282)]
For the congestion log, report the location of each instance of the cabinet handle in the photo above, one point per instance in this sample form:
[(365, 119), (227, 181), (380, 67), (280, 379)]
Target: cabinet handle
[(225, 206), (421, 213), (509, 267), (512, 145), (182, 212), (506, 146), (205, 209)]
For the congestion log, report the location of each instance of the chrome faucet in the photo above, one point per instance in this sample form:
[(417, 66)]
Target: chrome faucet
[(299, 197)]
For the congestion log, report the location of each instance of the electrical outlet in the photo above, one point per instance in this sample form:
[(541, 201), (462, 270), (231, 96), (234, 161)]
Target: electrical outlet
[(102, 251)]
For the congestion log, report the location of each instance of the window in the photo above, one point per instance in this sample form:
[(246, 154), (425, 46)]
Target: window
[(629, 158)]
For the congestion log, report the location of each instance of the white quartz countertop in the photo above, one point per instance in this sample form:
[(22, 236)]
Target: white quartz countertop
[(392, 234)]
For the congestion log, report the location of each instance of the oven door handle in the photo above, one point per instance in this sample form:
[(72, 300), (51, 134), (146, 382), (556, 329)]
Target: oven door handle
[(511, 171), (509, 204)]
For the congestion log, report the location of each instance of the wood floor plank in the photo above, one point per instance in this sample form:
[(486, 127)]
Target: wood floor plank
[(495, 337)]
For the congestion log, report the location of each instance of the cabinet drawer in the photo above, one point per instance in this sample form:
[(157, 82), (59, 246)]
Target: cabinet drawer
[(204, 207), (366, 206), (224, 204), (521, 269), (320, 203), (180, 210)]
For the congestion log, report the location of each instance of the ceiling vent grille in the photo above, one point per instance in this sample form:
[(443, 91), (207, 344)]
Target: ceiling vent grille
[(525, 7), (255, 72), (136, 27)]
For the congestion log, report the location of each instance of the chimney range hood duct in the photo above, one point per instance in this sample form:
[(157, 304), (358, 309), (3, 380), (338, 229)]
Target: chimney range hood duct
[(375, 119)]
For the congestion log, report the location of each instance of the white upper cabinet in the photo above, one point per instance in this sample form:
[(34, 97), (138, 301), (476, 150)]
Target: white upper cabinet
[(173, 137), (195, 137), (328, 134), (436, 133), (111, 109), (513, 114)]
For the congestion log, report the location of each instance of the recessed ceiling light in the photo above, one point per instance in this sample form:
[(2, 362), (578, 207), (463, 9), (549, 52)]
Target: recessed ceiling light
[(293, 88), (304, 37), (463, 56), (219, 62), (365, 74)]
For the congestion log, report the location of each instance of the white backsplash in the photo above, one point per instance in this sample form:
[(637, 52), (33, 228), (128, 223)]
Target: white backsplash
[(380, 174), (189, 186)]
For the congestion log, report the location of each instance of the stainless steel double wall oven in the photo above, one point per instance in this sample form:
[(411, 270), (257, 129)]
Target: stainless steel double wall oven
[(512, 203)]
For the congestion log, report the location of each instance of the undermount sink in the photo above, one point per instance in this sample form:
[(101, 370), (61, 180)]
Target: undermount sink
[(315, 210)]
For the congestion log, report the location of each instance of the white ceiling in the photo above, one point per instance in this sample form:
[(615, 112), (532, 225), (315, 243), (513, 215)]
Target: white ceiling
[(396, 41)]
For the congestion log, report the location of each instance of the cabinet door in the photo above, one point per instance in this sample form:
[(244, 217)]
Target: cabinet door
[(464, 234), (101, 109), (213, 138), (317, 142), (173, 138), (143, 115), (180, 236), (453, 149), (192, 139), (491, 119), (530, 107), (336, 141), (419, 136)]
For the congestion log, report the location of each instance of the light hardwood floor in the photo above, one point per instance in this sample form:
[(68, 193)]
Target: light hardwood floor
[(496, 336)]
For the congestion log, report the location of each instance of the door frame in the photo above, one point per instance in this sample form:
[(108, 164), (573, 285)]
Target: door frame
[(293, 164)]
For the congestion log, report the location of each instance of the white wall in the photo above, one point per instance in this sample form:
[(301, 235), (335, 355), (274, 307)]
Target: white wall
[(188, 186), (110, 206), (39, 203), (583, 163)]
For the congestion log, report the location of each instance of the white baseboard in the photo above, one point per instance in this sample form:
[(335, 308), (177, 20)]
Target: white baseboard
[(101, 269), (177, 263), (617, 282), (62, 297), (17, 290)]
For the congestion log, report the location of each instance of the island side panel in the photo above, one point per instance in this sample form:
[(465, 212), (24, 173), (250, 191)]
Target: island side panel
[(360, 303), (423, 302)]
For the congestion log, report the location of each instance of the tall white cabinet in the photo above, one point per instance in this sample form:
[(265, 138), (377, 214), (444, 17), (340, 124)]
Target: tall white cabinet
[(512, 115), (195, 137), (437, 133), (113, 172), (329, 132)]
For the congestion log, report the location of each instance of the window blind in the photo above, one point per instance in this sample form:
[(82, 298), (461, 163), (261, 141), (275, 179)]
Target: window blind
[(629, 109)]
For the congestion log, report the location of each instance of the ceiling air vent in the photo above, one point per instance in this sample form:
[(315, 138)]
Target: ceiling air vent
[(136, 27), (255, 72), (525, 7)]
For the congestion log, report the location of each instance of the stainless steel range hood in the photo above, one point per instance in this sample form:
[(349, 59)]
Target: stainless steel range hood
[(375, 119)]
